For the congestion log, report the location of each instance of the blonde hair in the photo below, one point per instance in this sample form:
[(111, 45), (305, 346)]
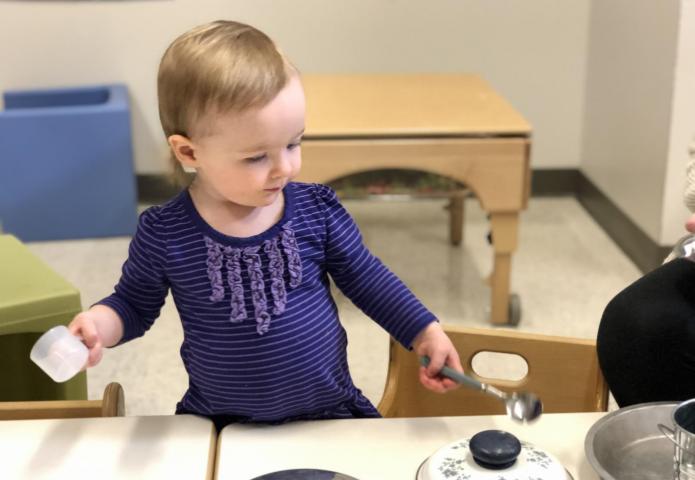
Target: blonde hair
[(217, 68)]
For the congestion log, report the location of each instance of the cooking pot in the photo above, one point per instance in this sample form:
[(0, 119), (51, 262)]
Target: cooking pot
[(627, 443)]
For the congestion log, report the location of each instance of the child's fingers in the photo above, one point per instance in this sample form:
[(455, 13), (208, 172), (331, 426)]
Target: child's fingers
[(437, 360), (449, 384), (441, 383), (75, 326), (454, 361), (431, 383), (437, 384), (90, 337), (89, 333), (95, 354), (85, 329)]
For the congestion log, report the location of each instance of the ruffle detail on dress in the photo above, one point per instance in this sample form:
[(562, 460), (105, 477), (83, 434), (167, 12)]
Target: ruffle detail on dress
[(214, 263), (260, 307), (294, 263), (234, 281), (276, 266), (219, 256)]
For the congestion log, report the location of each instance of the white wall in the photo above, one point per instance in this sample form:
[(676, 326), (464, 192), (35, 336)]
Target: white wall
[(629, 92), (532, 51), (682, 127)]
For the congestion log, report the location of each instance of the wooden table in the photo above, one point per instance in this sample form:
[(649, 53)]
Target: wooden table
[(387, 449), (452, 125), (165, 447)]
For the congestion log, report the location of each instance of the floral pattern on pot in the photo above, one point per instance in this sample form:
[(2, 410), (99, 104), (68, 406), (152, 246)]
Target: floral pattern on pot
[(455, 462)]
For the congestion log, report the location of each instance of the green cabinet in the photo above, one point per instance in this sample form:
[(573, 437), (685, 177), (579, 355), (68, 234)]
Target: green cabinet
[(33, 298)]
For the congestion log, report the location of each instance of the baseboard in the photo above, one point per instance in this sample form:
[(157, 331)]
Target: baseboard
[(554, 182), (637, 245), (644, 252), (155, 189)]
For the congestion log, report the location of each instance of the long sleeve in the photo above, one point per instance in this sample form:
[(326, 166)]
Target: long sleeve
[(140, 293), (364, 279)]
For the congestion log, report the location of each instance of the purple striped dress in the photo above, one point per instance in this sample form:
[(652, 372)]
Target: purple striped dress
[(262, 339)]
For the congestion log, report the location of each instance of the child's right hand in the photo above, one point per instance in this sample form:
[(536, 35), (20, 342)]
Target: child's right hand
[(84, 326), (98, 327)]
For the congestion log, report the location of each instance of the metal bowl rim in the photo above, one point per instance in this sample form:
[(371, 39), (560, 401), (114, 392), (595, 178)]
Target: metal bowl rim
[(675, 424), (588, 440)]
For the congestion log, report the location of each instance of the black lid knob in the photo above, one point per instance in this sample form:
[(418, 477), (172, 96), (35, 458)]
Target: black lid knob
[(495, 449)]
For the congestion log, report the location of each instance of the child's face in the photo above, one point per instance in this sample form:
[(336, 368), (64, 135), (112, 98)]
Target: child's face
[(250, 157)]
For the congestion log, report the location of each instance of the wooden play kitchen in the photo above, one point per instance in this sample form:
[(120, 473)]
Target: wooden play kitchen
[(449, 124)]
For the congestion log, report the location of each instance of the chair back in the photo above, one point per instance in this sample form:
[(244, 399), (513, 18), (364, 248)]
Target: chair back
[(564, 372), (111, 405)]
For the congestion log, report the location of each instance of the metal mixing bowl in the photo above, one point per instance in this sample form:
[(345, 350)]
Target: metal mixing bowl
[(627, 445)]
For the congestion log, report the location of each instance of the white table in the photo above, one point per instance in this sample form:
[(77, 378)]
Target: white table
[(386, 449), (163, 447)]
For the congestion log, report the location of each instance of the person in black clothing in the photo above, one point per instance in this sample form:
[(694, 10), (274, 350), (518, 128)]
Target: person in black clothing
[(646, 339)]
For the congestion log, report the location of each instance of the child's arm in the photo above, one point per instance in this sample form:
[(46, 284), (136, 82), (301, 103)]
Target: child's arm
[(382, 295), (433, 342), (137, 298), (99, 327), (364, 279)]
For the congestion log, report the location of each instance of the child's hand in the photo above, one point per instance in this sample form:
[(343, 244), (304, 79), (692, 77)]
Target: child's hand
[(433, 342), (97, 327), (690, 224), (84, 327)]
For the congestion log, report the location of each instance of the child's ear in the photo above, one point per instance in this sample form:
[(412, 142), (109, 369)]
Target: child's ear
[(184, 150)]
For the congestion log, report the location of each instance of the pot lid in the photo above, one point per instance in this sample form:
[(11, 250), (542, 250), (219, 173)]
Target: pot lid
[(455, 461)]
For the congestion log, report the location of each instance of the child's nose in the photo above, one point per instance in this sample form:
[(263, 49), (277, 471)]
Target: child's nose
[(283, 164)]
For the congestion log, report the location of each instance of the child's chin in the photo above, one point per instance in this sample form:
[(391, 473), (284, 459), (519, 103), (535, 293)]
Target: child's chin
[(268, 199), (272, 195)]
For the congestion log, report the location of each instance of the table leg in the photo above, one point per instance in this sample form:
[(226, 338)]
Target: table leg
[(456, 214), (504, 234)]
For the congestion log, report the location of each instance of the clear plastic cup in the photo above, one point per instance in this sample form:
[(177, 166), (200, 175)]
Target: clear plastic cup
[(59, 353)]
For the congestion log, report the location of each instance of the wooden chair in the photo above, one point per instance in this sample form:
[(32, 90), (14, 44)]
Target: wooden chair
[(111, 405), (564, 372)]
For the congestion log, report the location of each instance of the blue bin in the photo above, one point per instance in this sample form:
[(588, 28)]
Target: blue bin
[(66, 164)]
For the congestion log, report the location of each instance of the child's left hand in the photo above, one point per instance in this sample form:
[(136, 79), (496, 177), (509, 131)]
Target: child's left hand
[(433, 342)]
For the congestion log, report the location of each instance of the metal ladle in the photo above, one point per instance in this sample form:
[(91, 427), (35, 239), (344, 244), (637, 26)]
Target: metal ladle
[(521, 406)]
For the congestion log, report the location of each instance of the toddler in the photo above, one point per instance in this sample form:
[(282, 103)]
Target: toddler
[(247, 252)]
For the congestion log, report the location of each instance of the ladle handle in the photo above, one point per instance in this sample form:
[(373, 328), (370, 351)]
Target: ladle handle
[(456, 376)]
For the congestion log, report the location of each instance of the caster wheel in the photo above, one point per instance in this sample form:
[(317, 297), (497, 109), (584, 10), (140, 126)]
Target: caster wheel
[(514, 309)]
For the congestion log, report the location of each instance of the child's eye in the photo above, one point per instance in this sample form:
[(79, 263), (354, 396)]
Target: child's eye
[(292, 146), (257, 158)]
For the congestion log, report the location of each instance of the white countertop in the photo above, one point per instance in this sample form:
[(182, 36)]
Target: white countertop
[(157, 447), (387, 449)]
